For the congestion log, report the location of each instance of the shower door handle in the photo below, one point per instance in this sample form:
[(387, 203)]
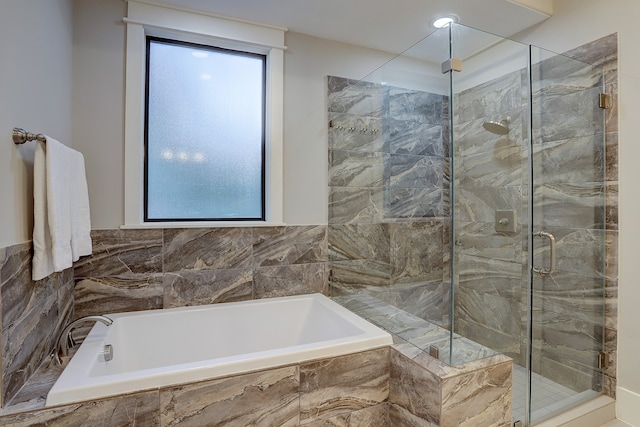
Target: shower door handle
[(552, 254)]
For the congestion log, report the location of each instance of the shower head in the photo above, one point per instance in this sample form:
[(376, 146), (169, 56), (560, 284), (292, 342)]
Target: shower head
[(499, 128)]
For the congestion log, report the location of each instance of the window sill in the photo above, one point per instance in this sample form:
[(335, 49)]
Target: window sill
[(204, 224)]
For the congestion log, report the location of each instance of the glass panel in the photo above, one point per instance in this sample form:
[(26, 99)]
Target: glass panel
[(568, 202), (388, 190), (205, 125), (490, 219)]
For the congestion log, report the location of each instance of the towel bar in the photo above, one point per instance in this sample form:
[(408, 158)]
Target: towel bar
[(20, 136)]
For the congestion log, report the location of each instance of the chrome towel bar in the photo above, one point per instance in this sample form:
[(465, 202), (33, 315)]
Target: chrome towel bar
[(20, 136)]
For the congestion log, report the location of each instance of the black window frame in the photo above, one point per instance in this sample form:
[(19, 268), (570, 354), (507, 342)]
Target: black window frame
[(155, 39)]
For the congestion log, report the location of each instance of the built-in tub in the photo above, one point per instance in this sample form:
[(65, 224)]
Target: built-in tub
[(157, 348)]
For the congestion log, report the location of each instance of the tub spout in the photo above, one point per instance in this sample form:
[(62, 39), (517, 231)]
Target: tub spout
[(66, 341)]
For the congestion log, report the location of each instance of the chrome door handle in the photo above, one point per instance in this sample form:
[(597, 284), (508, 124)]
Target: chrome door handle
[(552, 254)]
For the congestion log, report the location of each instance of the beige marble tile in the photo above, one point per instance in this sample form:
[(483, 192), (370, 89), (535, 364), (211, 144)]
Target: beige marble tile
[(207, 248), (285, 280), (139, 409), (415, 390), (373, 416), (289, 245), (266, 398), (101, 295), (200, 287), (478, 398), (338, 386), (399, 416), (122, 252)]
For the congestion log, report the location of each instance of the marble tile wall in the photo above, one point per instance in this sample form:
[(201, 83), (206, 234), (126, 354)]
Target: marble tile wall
[(148, 269), (575, 198), (425, 392), (33, 313), (387, 193), (491, 174), (604, 53), (348, 390)]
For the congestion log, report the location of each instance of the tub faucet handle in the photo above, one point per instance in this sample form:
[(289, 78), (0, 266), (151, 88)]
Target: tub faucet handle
[(65, 340)]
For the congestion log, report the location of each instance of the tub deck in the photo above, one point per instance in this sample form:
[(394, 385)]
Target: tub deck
[(158, 348)]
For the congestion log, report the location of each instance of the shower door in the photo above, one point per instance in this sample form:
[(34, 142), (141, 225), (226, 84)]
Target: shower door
[(568, 225), (528, 216)]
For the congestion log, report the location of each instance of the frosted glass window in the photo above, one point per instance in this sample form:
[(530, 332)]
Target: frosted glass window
[(204, 133)]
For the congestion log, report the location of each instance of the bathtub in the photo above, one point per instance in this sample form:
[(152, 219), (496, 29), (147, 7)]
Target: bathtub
[(157, 348)]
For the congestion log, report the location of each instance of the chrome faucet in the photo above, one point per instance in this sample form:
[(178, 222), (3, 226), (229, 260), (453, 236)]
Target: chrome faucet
[(66, 341)]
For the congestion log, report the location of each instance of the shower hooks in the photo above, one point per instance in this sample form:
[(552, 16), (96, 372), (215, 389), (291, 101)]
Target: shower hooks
[(351, 128)]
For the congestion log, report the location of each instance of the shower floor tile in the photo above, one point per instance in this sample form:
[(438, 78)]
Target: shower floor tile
[(548, 396)]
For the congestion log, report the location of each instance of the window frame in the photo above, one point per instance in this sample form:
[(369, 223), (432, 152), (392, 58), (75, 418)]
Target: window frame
[(151, 39), (145, 19)]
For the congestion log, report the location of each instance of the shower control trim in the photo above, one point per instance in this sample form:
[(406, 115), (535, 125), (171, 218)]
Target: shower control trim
[(506, 221), (552, 254)]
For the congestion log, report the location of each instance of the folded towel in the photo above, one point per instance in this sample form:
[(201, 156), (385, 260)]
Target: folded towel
[(62, 226)]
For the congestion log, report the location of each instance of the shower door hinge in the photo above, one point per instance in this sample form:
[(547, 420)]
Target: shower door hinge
[(603, 360), (604, 100), (451, 64)]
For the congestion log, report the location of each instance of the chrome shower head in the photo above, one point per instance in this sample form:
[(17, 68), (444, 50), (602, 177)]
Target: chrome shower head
[(499, 128)]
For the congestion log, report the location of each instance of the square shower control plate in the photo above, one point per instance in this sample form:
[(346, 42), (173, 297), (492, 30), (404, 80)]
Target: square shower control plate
[(506, 221)]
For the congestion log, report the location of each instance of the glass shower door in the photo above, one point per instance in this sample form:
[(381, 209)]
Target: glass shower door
[(568, 228)]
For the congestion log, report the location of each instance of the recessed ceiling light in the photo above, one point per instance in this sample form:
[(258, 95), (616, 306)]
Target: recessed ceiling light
[(445, 20)]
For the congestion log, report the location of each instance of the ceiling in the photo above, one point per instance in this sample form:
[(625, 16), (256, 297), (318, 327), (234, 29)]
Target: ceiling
[(388, 25)]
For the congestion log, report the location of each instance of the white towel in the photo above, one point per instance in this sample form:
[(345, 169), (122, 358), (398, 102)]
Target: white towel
[(62, 225)]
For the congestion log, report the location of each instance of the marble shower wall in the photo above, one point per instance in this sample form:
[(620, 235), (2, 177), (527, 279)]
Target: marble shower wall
[(573, 299), (33, 314), (490, 173), (575, 198), (388, 195)]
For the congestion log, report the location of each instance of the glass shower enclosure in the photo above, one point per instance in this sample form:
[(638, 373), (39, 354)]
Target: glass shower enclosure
[(467, 197)]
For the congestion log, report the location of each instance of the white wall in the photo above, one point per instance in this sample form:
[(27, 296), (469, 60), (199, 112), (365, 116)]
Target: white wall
[(308, 60), (574, 23), (98, 104), (35, 94), (98, 97)]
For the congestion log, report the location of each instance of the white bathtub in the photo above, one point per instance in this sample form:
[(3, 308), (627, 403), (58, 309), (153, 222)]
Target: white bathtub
[(157, 348)]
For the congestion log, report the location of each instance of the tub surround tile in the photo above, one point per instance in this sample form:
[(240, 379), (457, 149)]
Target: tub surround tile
[(373, 416), (201, 287), (33, 313), (207, 248), (20, 294), (101, 295), (122, 252), (139, 409), (400, 416), (33, 331), (289, 245), (264, 398), (333, 387), (278, 281)]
